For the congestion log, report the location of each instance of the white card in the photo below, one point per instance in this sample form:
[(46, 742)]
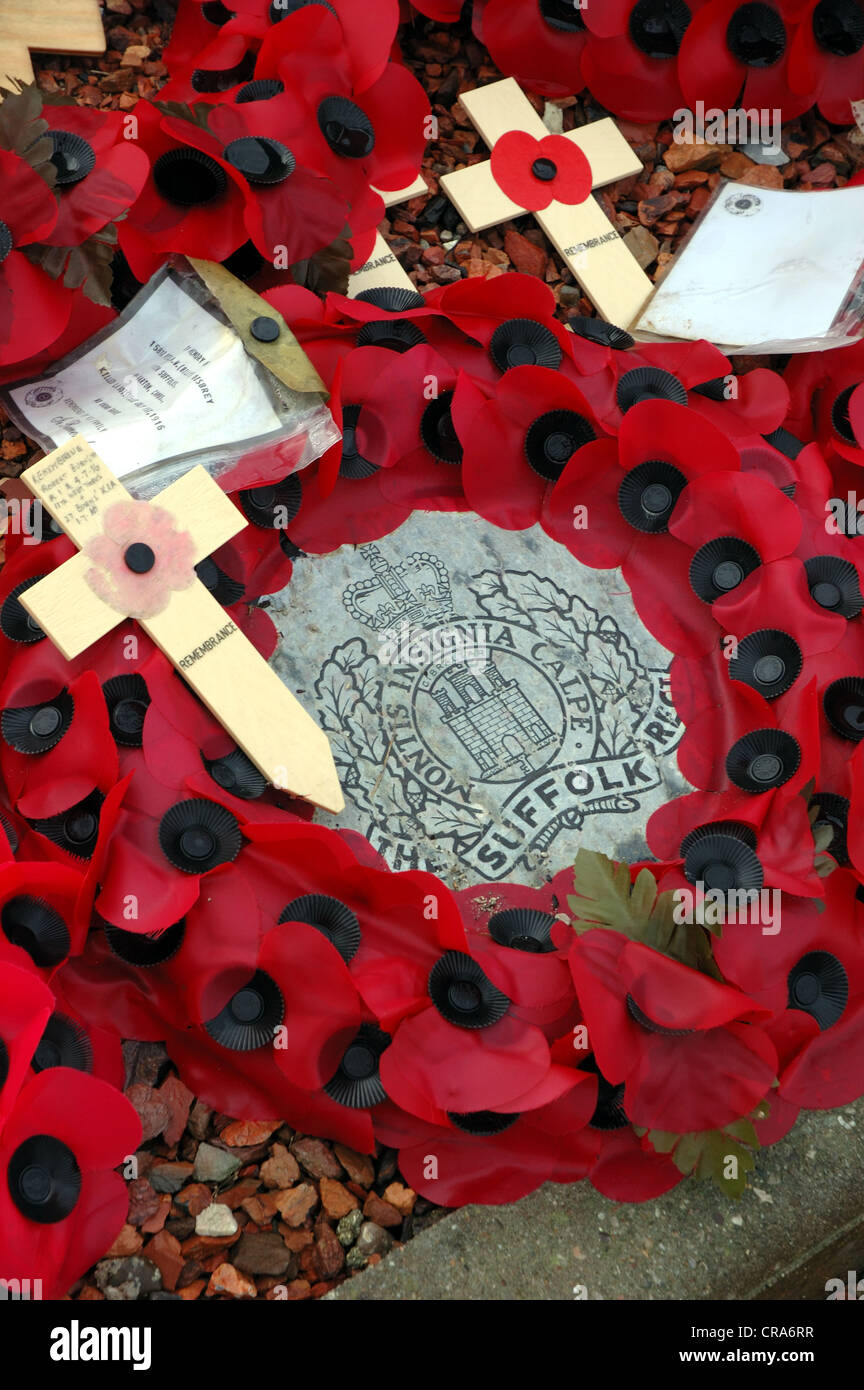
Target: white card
[(763, 266), (171, 380)]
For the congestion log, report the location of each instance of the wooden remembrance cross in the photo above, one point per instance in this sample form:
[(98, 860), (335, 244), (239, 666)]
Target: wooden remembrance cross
[(582, 233), (193, 630), (66, 26)]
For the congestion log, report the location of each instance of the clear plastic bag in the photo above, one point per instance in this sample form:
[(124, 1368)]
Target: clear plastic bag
[(177, 380)]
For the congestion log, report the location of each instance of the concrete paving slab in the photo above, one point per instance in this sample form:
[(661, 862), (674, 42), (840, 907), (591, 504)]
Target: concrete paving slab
[(800, 1223)]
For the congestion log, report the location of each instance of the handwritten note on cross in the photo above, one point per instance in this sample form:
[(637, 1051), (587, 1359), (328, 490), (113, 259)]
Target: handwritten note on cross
[(193, 630), (74, 26), (582, 234)]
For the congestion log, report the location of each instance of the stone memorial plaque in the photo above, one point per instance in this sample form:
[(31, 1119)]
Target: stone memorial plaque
[(491, 703)]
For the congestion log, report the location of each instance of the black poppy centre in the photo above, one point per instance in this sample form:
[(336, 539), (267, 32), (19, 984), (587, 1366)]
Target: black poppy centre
[(553, 439), (463, 995), (756, 35), (658, 26), (251, 1016)]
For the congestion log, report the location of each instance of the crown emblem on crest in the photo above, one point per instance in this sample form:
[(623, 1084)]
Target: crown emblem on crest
[(416, 590)]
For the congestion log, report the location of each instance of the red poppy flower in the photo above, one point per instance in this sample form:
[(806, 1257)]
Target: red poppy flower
[(196, 24), (368, 35), (730, 46), (541, 45), (307, 53), (136, 983), (628, 489), (293, 1017), (388, 460), (534, 173), (100, 173), (506, 322), (776, 661), (465, 1050), (509, 931), (521, 443), (284, 134), (160, 860), (186, 752), (491, 1156), (34, 309), (390, 928), (773, 828), (625, 1168), (827, 56), (55, 743), (39, 912), (694, 374), (822, 386), (374, 434), (72, 1039), (730, 524), (291, 209), (405, 933), (754, 402), (193, 202), (60, 1204), (743, 743), (813, 975), (212, 51), (630, 59), (651, 1019)]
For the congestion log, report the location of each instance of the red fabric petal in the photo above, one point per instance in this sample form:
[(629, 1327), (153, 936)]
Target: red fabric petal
[(34, 309), (101, 197), (26, 1004), (322, 1007), (461, 1069)]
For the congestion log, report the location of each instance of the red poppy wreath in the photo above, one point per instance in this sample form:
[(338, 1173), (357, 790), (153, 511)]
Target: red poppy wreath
[(154, 886)]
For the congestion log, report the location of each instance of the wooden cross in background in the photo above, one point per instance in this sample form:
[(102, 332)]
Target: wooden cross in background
[(582, 234), (64, 26), (231, 678), (382, 270)]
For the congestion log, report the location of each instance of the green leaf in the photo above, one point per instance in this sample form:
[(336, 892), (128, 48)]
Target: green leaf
[(661, 1140), (603, 892), (604, 898), (725, 1163), (723, 1157), (745, 1131)]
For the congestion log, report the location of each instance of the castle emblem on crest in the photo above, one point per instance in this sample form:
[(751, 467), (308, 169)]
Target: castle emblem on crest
[(473, 724)]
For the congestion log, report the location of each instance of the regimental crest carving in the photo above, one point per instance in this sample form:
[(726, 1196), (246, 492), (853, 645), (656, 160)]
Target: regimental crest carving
[(471, 733)]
